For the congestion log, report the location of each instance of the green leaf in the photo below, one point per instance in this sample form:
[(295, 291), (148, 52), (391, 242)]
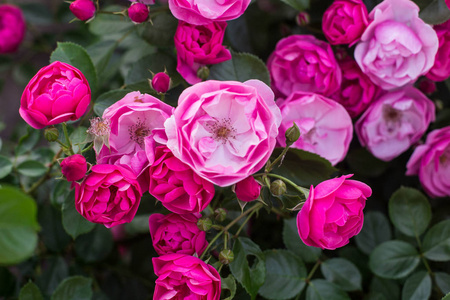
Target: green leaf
[(436, 243), (101, 53), (443, 281), (446, 297), (300, 5), (385, 288), (285, 275), (343, 273), (55, 271), (229, 283), (320, 289), (5, 166), (59, 192), (162, 31), (251, 277), (76, 56), (107, 24), (417, 287), (364, 163), (37, 13), (30, 291), (394, 259), (293, 242), (241, 67), (410, 211), (375, 231), (74, 288), (28, 141), (18, 226), (94, 246), (78, 138), (436, 12), (107, 99), (74, 223), (53, 234), (31, 168)]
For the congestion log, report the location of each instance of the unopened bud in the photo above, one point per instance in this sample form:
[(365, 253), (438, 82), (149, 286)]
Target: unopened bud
[(203, 73), (303, 19), (292, 134), (83, 9), (51, 134), (160, 82), (226, 256), (221, 214), (138, 12), (204, 224), (278, 187)]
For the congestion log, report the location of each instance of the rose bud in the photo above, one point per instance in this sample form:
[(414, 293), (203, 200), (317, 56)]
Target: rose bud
[(12, 28), (74, 167), (83, 9), (226, 256), (248, 189), (51, 134), (303, 19), (161, 82), (220, 214), (278, 187), (138, 12)]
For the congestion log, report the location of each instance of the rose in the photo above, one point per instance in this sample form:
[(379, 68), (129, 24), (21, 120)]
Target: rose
[(138, 12), (397, 46), (109, 195), (333, 212), (12, 28), (431, 161), (441, 68), (304, 63), (161, 82), (83, 9), (248, 189), (182, 276), (325, 126), (394, 122), (74, 167), (198, 12), (56, 94), (198, 46), (345, 21), (176, 233), (224, 130)]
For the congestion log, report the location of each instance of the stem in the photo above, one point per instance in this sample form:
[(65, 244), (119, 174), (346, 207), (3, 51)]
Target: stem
[(87, 148), (243, 224), (66, 133), (279, 158), (46, 175), (298, 188), (313, 270)]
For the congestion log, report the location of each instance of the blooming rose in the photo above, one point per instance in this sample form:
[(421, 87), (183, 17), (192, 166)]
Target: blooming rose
[(304, 63), (109, 195), (431, 162), (138, 12), (325, 126), (200, 12), (198, 46), (333, 212), (56, 94), (83, 9), (248, 189), (394, 122), (176, 185), (441, 68), (12, 28), (181, 276), (74, 167), (224, 130), (345, 21), (176, 233), (397, 46)]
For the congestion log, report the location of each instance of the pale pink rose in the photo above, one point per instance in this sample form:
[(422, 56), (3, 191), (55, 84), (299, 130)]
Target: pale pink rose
[(325, 126), (201, 12), (397, 46), (345, 21), (176, 185), (333, 212), (431, 162), (394, 122), (74, 167), (109, 195), (304, 63), (182, 276), (224, 130), (248, 189), (12, 28), (83, 9), (197, 46), (57, 93), (441, 68), (176, 233)]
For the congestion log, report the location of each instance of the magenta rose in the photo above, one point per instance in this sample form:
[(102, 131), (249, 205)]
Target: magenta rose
[(138, 12), (200, 12), (176, 233), (176, 185), (394, 122), (304, 63), (83, 9), (197, 46), (161, 82), (397, 46), (431, 161), (12, 28), (248, 189), (182, 276), (74, 167), (345, 21), (441, 68), (224, 130), (333, 212), (109, 195), (56, 94), (325, 126)]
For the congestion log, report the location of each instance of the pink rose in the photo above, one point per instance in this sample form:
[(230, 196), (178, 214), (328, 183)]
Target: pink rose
[(394, 122), (200, 12), (397, 46), (161, 82), (74, 167), (138, 12), (12, 28), (176, 233), (448, 3), (83, 9), (345, 21), (56, 94), (198, 46), (441, 68), (431, 162), (176, 185), (109, 195), (224, 130), (333, 212), (182, 276), (357, 91), (325, 126), (248, 189), (304, 63)]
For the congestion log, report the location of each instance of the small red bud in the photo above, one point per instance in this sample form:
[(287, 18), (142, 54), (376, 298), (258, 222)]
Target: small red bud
[(161, 82), (303, 19), (138, 12), (83, 9)]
